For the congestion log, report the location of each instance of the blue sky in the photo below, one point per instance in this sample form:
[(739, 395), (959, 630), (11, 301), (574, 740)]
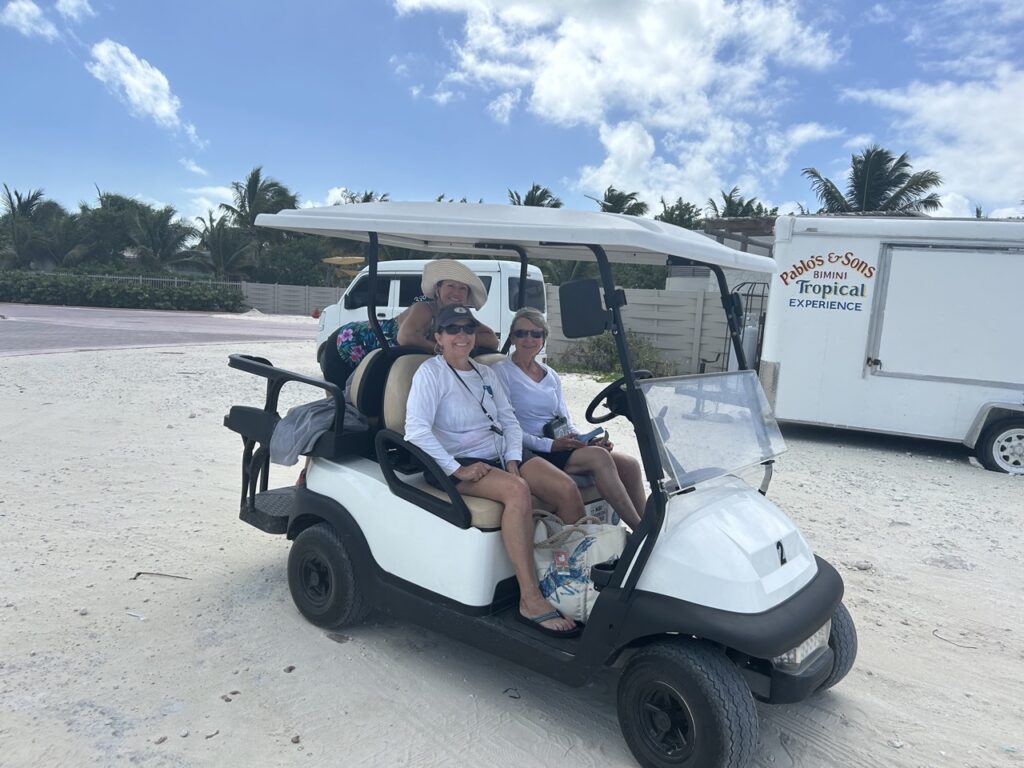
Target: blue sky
[(171, 102)]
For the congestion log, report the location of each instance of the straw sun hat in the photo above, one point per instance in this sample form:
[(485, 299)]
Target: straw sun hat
[(449, 269)]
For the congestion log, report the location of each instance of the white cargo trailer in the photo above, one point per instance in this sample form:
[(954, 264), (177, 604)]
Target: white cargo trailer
[(909, 326)]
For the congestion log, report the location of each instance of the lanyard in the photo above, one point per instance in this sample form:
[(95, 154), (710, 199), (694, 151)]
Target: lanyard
[(486, 389)]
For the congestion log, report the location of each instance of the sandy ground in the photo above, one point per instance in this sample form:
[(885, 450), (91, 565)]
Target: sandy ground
[(116, 463)]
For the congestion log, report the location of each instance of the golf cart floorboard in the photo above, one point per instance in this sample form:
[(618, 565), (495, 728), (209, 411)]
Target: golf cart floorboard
[(508, 623), (270, 510)]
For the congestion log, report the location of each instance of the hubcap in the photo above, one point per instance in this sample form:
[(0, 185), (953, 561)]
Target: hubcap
[(666, 723), (1008, 450), (316, 580)]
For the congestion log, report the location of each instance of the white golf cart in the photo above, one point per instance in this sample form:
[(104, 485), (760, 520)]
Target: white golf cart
[(717, 599)]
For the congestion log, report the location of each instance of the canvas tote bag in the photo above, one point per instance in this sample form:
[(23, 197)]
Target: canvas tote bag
[(564, 555)]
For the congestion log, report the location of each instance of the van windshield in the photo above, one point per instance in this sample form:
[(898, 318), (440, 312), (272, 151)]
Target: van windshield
[(534, 294), (711, 425), (358, 294)]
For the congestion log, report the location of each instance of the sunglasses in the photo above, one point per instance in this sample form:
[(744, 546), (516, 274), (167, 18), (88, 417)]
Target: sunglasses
[(454, 329), (522, 333)]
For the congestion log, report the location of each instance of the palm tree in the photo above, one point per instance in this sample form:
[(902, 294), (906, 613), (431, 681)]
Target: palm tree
[(538, 196), (26, 239), (877, 181), (734, 205), (616, 201), (680, 213), (254, 196), (159, 239), (223, 249), (367, 196)]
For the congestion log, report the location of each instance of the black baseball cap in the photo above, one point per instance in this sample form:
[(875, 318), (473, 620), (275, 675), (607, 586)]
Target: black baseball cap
[(452, 313)]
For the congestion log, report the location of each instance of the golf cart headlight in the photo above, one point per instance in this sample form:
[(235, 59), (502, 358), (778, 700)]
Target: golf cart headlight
[(795, 657)]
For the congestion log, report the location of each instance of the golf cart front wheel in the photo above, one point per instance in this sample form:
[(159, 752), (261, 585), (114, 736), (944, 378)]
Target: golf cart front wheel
[(685, 705), (322, 579), (1001, 446)]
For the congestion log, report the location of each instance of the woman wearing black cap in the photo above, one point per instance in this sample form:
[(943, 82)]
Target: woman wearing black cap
[(458, 414)]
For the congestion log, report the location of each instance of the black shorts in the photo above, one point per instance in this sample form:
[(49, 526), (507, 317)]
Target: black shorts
[(558, 458), (465, 462)]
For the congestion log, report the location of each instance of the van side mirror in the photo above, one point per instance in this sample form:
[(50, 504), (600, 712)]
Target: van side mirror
[(347, 301), (582, 312)]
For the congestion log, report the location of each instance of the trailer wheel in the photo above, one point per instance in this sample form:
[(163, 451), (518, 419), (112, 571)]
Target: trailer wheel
[(843, 642), (1001, 446), (322, 579), (685, 705)]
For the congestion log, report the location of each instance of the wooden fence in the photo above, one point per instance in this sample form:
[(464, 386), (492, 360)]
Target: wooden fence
[(686, 327)]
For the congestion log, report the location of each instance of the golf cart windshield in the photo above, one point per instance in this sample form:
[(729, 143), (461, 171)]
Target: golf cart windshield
[(711, 425)]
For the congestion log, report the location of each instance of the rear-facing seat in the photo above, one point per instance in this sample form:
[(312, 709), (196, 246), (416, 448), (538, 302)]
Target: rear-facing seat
[(484, 513)]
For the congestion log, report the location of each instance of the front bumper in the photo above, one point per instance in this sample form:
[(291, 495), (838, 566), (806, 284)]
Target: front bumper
[(786, 687)]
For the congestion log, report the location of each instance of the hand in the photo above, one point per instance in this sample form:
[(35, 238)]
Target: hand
[(603, 442), (567, 443), (472, 473), (512, 467)]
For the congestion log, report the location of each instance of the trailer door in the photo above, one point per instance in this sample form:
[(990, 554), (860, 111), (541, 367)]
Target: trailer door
[(948, 314)]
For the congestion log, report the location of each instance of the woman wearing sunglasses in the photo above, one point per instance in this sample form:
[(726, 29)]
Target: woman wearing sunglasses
[(535, 392), (459, 415)]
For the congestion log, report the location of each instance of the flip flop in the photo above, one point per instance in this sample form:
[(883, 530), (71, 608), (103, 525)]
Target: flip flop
[(535, 622)]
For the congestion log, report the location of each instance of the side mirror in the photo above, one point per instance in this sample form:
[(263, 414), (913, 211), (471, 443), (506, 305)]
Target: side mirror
[(347, 301), (582, 312)]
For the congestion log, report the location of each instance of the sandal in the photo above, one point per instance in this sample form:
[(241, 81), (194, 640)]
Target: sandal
[(535, 622)]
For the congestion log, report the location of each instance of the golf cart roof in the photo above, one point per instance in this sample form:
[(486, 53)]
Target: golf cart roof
[(545, 233)]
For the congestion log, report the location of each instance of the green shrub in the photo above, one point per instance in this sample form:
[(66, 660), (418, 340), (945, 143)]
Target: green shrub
[(80, 290), (598, 355)]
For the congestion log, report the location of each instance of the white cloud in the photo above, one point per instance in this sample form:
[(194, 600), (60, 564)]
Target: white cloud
[(1013, 212), (501, 108), (28, 18), (970, 132), (192, 166), (674, 88), (143, 87), (442, 96), (859, 142), (879, 14), (74, 10), (415, 91), (955, 206), (208, 199)]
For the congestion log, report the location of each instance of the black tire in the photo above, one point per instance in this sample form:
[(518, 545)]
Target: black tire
[(1001, 446), (843, 642), (685, 704), (322, 580)]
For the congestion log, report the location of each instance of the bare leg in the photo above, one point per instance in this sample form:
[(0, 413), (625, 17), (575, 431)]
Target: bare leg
[(517, 535), (551, 484), (632, 477), (598, 463)]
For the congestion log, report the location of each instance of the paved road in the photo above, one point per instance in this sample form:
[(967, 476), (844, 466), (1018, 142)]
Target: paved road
[(30, 329)]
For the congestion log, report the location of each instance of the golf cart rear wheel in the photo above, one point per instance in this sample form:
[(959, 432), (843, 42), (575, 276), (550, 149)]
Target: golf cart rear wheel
[(843, 642), (1001, 446), (684, 704), (322, 580)]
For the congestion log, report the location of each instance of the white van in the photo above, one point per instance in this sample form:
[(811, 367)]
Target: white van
[(399, 283), (900, 325)]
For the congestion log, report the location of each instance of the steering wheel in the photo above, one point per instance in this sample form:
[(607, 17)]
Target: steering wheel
[(615, 396)]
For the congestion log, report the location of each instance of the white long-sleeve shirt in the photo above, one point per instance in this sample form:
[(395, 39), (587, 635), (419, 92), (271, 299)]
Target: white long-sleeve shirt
[(535, 402), (446, 421)]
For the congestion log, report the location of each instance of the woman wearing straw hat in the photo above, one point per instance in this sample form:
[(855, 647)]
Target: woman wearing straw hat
[(445, 282)]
